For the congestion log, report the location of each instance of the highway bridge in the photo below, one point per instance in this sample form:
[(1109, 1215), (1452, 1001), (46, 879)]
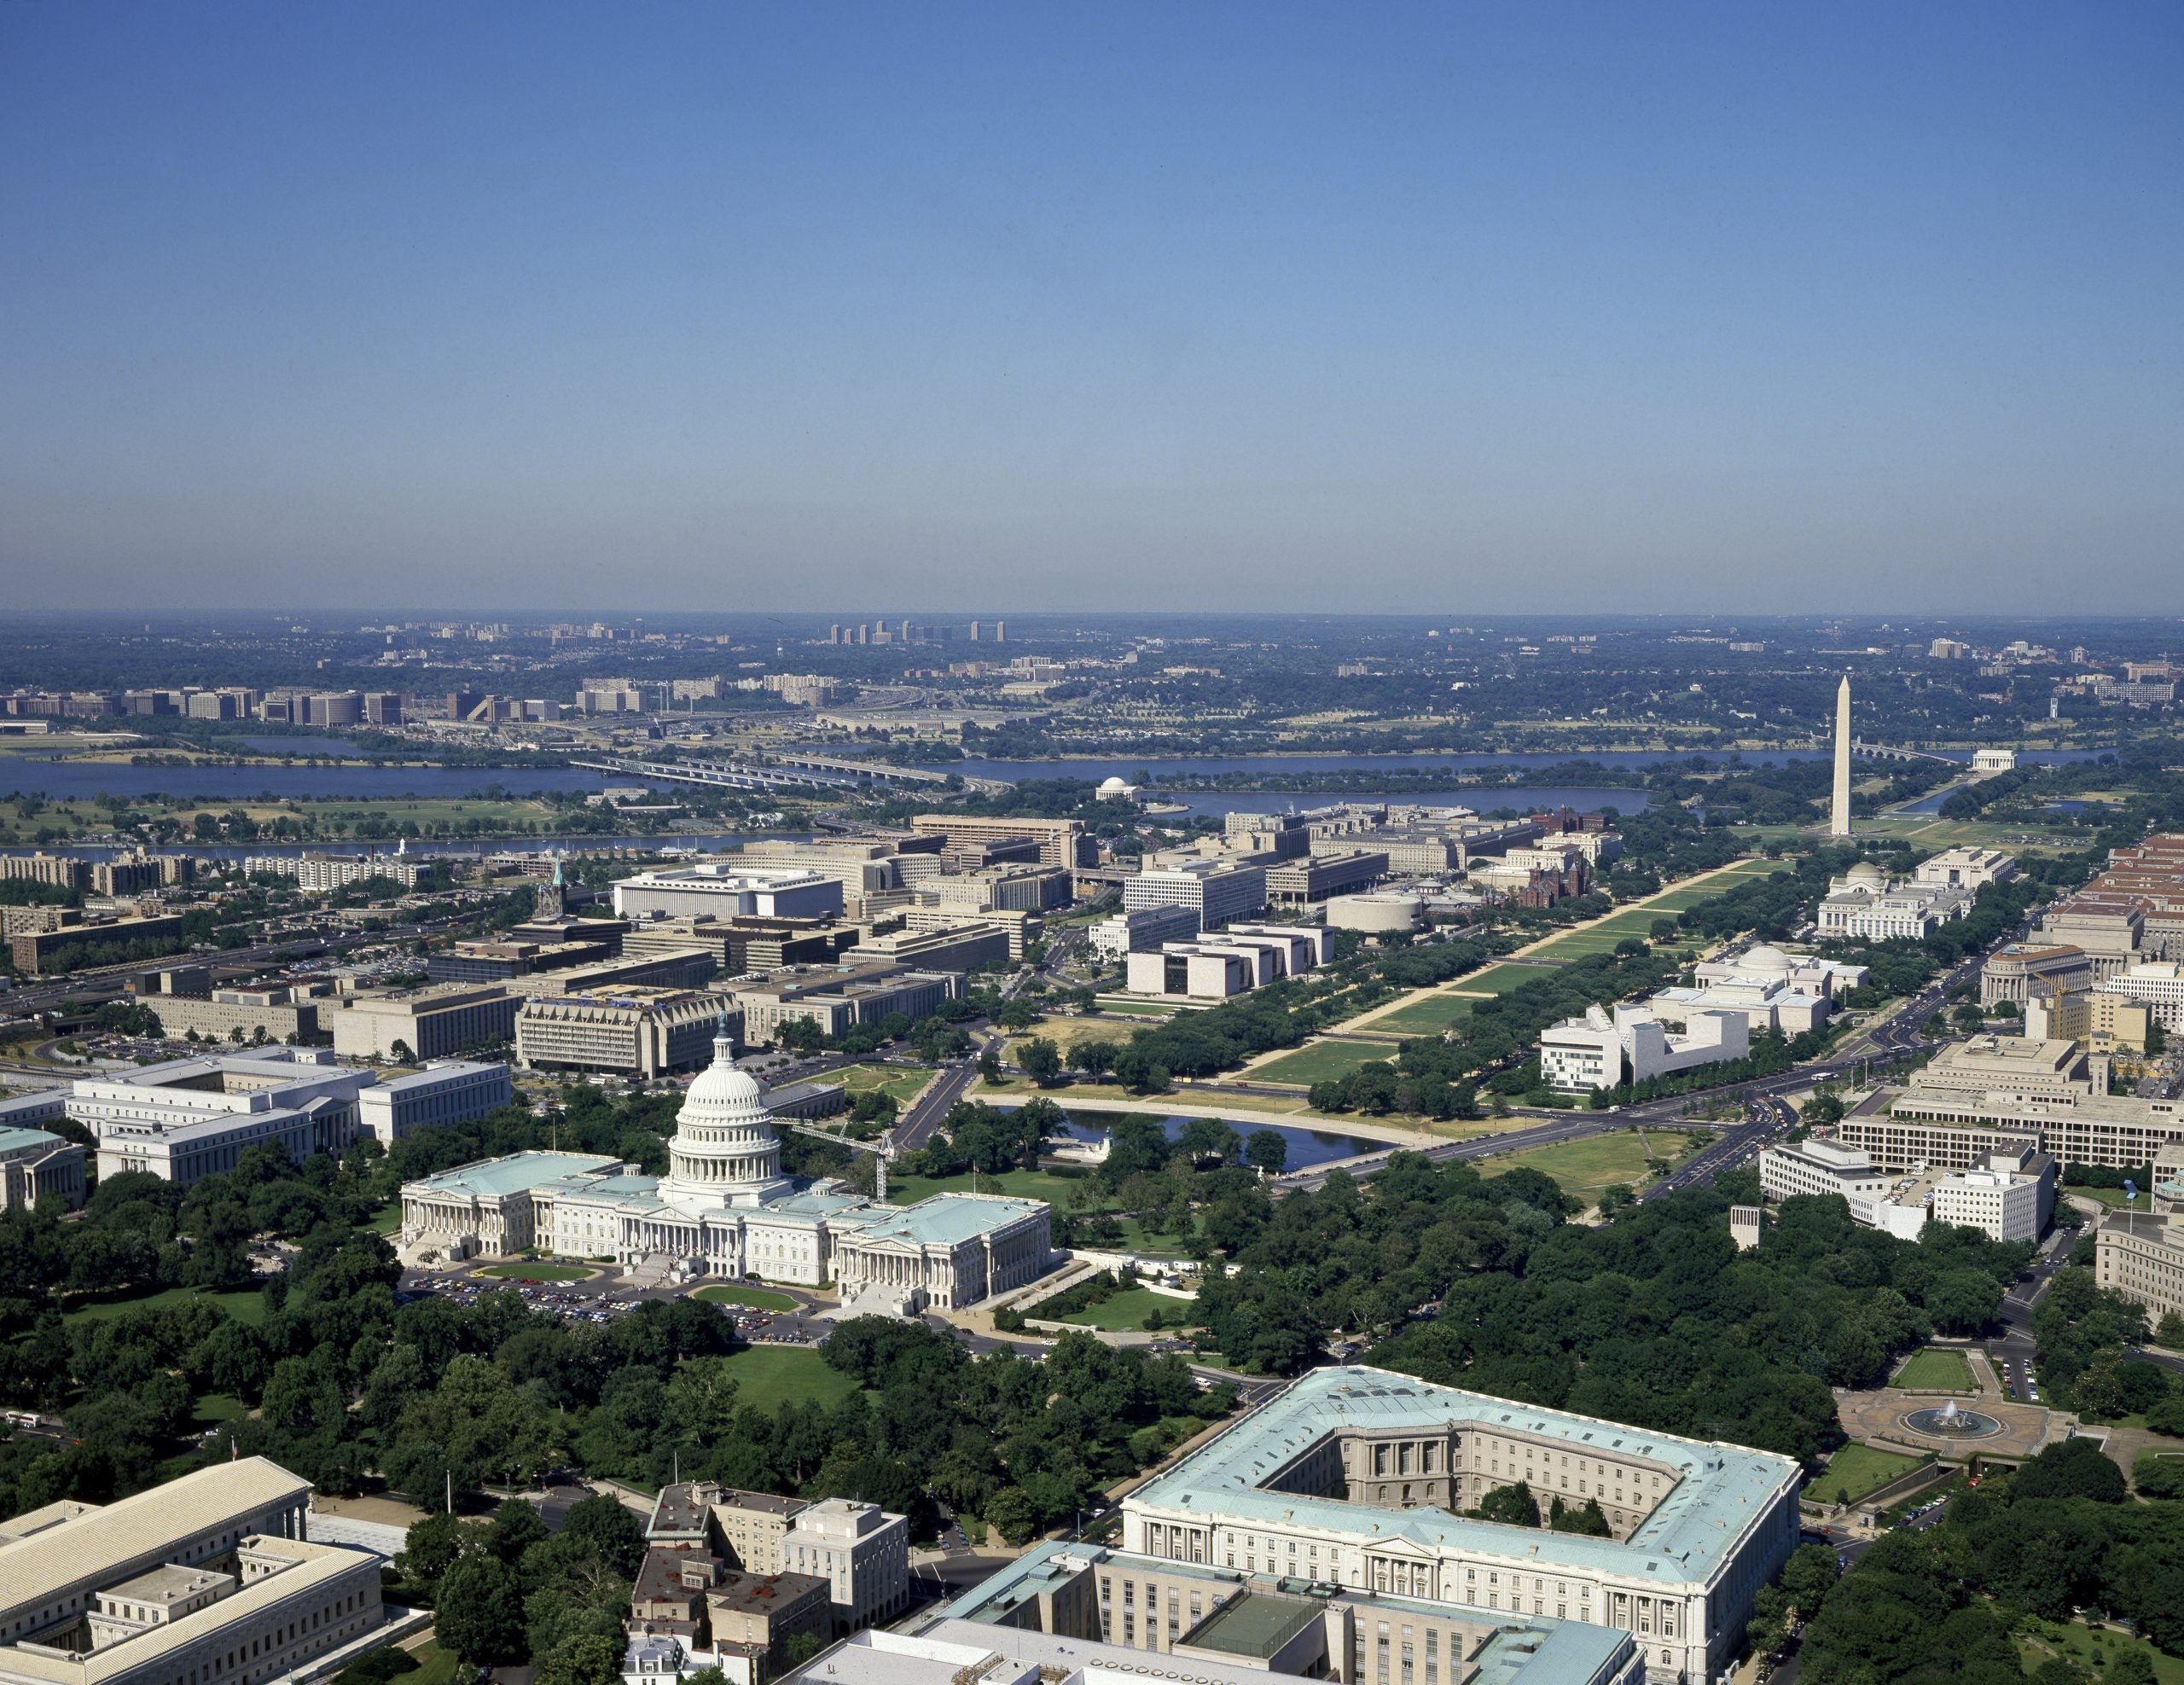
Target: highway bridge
[(781, 772)]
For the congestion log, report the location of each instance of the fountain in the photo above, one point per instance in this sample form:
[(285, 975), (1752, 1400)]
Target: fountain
[(1951, 1421)]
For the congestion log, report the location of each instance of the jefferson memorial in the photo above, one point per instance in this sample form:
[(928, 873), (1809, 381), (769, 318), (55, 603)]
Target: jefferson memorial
[(725, 1209)]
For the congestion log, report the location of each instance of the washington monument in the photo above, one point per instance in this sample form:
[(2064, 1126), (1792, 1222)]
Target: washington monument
[(1839, 821)]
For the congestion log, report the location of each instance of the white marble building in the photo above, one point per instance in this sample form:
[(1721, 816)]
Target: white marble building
[(725, 1209)]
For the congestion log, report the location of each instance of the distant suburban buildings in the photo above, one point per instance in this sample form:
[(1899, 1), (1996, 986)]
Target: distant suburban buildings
[(210, 1577)]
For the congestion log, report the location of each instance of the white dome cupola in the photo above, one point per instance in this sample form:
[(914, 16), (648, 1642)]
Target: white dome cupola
[(724, 1147)]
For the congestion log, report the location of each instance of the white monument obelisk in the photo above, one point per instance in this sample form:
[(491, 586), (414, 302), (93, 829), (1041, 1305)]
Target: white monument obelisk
[(1839, 821)]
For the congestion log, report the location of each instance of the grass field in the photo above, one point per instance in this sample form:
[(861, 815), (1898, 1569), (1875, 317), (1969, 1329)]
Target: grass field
[(887, 1078), (2111, 1197), (1499, 979), (1429, 1015), (1936, 1371), (1856, 1470), (769, 1376), (1586, 1169), (537, 1272), (2091, 1650), (753, 1298), (1129, 1309), (244, 1307), (435, 1666), (386, 1221), (1055, 1190), (1318, 1061), (214, 1407)]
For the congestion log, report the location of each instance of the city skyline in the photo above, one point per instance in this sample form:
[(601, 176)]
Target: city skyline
[(742, 310)]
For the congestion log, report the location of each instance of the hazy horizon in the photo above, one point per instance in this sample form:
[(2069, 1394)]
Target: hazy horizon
[(1700, 311)]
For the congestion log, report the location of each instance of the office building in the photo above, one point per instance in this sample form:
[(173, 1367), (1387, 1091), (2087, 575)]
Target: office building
[(37, 1165), (964, 944), (209, 1577), (861, 1551), (836, 1000), (2007, 1192), (186, 1119), (37, 952), (1815, 1168), (1999, 1093), (60, 871), (1142, 931), (322, 873), (1021, 928), (638, 1033), (2158, 985), (725, 1209), (741, 946), (728, 888), (1308, 882), (436, 1022), (2022, 971), (1062, 842), (276, 1012), (1351, 1477), (505, 961), (446, 1091), (1863, 902), (20, 921), (1218, 890)]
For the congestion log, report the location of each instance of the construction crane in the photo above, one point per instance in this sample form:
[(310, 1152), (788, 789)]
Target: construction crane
[(882, 1150)]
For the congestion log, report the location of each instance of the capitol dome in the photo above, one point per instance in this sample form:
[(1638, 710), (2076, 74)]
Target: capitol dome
[(724, 1147)]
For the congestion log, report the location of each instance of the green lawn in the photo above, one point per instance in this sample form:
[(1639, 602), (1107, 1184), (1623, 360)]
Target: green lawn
[(1427, 1016), (769, 1376), (1588, 1168), (538, 1272), (2111, 1197), (215, 1407), (887, 1078), (1937, 1371), (754, 1298), (2092, 1651), (244, 1307), (1857, 1470), (1318, 1062), (1055, 1190), (1500, 979), (1129, 1309), (387, 1220)]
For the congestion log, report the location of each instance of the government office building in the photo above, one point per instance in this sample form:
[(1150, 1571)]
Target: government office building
[(1351, 1477), (210, 1579)]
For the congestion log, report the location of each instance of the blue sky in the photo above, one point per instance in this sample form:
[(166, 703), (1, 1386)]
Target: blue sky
[(818, 306)]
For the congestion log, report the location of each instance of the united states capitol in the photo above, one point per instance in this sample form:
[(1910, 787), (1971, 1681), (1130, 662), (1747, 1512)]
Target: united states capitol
[(725, 1209)]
